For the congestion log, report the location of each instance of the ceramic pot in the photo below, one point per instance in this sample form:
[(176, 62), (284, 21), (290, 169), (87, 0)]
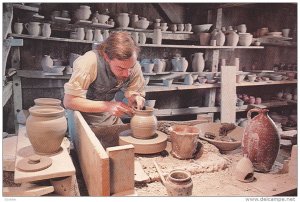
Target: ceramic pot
[(175, 64), (188, 27), (46, 62), (220, 38), (80, 33), (198, 62), (242, 28), (184, 140), (163, 26), (143, 124), (232, 38), (89, 35), (179, 183), (98, 35), (188, 79), (123, 20), (102, 18), (148, 67), (18, 28), (105, 34), (157, 36), (244, 170), (180, 27), (261, 140), (46, 127), (135, 37), (33, 28), (173, 27), (158, 66), (133, 19), (65, 14), (182, 64), (46, 30), (85, 12), (142, 38), (245, 39), (47, 102), (285, 32), (204, 38)]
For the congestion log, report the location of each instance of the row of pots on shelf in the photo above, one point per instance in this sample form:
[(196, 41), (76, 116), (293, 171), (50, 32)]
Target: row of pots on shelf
[(265, 76)]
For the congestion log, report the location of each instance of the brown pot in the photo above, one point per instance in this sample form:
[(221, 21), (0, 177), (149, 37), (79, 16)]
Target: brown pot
[(184, 141), (47, 101), (261, 140), (46, 127), (143, 124), (179, 183)]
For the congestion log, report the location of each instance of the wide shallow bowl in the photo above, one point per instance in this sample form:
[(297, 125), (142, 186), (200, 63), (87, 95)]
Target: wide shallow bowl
[(236, 134), (141, 24), (202, 28)]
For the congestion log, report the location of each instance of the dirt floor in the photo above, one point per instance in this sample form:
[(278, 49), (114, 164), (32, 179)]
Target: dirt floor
[(212, 173)]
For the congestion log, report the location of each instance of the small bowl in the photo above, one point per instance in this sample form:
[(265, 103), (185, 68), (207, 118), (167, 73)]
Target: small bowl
[(142, 24), (150, 103), (251, 77), (212, 81), (167, 82), (148, 67), (276, 77)]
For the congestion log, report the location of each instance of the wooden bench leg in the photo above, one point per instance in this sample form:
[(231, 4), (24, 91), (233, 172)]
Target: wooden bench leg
[(65, 186)]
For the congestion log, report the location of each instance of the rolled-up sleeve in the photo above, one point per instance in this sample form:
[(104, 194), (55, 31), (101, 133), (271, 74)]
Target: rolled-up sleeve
[(136, 84), (84, 73)]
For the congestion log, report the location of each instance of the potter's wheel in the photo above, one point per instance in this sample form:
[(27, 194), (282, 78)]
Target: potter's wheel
[(153, 145), (34, 163)]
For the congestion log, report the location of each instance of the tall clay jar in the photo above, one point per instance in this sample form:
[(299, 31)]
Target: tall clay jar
[(261, 140), (123, 20), (144, 123), (157, 37), (46, 127), (179, 183)]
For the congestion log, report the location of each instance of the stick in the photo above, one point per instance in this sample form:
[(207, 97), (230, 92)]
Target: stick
[(159, 172)]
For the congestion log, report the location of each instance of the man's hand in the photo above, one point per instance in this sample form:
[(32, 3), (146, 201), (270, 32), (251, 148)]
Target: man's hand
[(136, 101), (119, 109)]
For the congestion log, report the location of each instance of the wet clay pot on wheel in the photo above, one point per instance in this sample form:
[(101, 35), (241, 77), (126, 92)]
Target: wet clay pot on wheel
[(261, 140), (143, 124), (184, 141), (179, 183), (46, 127), (47, 102)]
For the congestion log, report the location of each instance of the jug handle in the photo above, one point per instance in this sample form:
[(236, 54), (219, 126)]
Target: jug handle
[(258, 110), (26, 26)]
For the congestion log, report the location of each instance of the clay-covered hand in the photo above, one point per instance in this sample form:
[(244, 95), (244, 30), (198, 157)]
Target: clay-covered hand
[(136, 101), (119, 109)]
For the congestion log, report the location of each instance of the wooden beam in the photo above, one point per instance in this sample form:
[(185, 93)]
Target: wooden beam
[(7, 19), (172, 13), (27, 8), (7, 92)]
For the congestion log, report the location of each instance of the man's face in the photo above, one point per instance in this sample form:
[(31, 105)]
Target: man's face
[(122, 68)]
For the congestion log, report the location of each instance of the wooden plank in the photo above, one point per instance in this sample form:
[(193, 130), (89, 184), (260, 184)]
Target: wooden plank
[(174, 13), (121, 167), (65, 186), (62, 164), (219, 18), (263, 83), (6, 92), (228, 94), (14, 42), (17, 98), (139, 173), (159, 87), (94, 161), (5, 52), (26, 8), (29, 190), (9, 153), (185, 111), (7, 18), (39, 75)]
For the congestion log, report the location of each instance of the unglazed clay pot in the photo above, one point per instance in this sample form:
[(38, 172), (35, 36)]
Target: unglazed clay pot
[(261, 140), (232, 38), (47, 102), (198, 62), (179, 183), (244, 170), (123, 20), (143, 124), (46, 127), (184, 141)]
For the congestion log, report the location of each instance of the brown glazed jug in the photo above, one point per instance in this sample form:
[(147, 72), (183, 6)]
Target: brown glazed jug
[(144, 123), (46, 127), (261, 140), (179, 183)]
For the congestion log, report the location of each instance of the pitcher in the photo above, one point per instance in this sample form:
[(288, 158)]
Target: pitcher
[(33, 28), (198, 62), (46, 30)]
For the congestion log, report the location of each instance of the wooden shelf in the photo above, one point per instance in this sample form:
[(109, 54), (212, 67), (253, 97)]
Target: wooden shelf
[(6, 92), (27, 8), (200, 47), (185, 111), (34, 74), (268, 104), (159, 87), (263, 83)]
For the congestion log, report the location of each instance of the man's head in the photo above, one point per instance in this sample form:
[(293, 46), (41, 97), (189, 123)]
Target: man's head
[(120, 52)]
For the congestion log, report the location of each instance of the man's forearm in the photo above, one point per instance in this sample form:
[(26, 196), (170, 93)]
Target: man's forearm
[(84, 105)]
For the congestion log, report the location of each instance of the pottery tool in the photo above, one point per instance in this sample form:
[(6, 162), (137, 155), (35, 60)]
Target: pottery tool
[(160, 173)]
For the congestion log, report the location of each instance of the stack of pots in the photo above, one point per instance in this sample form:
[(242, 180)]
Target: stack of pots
[(46, 126)]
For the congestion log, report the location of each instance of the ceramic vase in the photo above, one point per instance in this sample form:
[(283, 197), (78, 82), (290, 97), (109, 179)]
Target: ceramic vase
[(135, 37), (98, 35), (46, 62), (175, 64), (46, 127), (184, 140), (198, 62), (89, 35), (188, 79), (123, 20), (232, 38), (158, 66), (220, 38), (80, 33), (261, 140), (244, 170), (18, 28), (46, 30), (188, 27), (157, 37), (105, 34), (179, 183), (242, 28), (133, 19), (142, 38), (182, 64), (143, 124)]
